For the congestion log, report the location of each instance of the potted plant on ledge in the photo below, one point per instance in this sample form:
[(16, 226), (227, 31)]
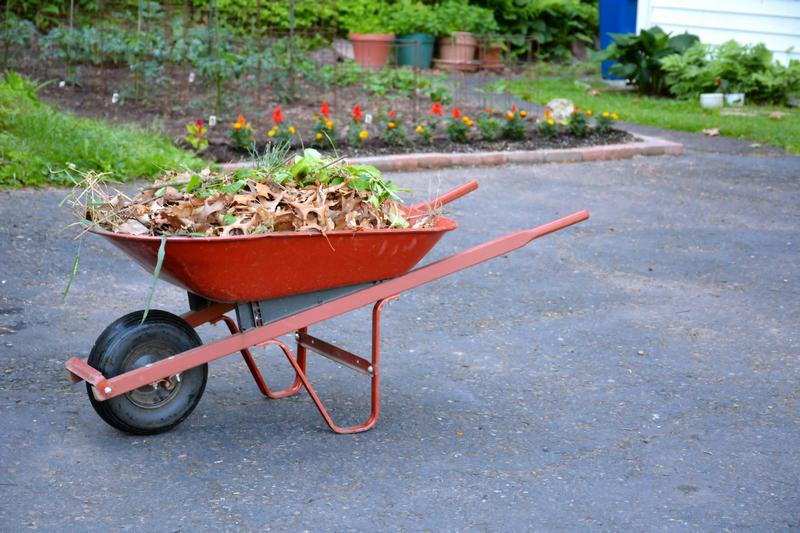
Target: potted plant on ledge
[(416, 26), (370, 32), (459, 21)]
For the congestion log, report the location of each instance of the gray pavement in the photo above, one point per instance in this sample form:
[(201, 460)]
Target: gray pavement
[(636, 372)]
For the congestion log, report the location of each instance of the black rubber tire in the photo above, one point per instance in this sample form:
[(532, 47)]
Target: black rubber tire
[(161, 335)]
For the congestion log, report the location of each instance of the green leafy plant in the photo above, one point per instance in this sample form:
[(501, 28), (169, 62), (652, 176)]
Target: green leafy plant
[(242, 134), (604, 121), (364, 16), (392, 130), (357, 133), (546, 127), (409, 16), (489, 127), (514, 126), (638, 57), (281, 132), (731, 67), (459, 15), (577, 123), (196, 135), (459, 128)]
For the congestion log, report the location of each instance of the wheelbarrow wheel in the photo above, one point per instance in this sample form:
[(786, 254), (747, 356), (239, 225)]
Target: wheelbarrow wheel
[(128, 344)]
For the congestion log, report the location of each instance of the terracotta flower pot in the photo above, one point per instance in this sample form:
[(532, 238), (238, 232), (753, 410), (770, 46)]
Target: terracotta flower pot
[(492, 57), (371, 50)]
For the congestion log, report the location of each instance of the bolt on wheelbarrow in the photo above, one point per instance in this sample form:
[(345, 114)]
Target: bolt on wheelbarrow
[(145, 377)]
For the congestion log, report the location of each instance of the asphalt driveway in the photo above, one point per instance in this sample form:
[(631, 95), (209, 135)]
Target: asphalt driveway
[(639, 371)]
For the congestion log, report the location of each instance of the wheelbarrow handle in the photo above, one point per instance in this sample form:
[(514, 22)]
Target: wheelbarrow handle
[(455, 194)]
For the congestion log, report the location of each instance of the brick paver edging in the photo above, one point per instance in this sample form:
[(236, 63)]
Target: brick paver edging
[(422, 161)]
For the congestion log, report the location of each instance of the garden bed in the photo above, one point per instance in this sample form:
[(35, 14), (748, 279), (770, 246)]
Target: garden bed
[(224, 152)]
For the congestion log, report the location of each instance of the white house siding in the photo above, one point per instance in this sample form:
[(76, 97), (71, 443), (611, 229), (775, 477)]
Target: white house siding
[(776, 23)]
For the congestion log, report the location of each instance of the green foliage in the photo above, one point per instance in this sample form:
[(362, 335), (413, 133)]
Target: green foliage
[(639, 57), (576, 123), (553, 24), (344, 74), (36, 139), (754, 126), (409, 16), (364, 16), (736, 67), (459, 128), (196, 136), (603, 122), (489, 127), (547, 128), (392, 130), (514, 125), (460, 15)]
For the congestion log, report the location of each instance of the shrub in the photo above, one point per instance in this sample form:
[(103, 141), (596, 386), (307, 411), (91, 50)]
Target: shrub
[(36, 138), (489, 127), (638, 57), (393, 132), (514, 127), (740, 68), (604, 121), (459, 127), (577, 123), (242, 134)]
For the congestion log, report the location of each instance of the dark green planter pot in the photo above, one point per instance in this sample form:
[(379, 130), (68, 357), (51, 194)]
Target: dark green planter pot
[(415, 49)]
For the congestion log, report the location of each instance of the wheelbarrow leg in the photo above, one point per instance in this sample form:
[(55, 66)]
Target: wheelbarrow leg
[(251, 365), (373, 370)]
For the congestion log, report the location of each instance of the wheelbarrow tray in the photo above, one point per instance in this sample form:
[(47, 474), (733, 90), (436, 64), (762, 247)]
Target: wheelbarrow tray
[(250, 268)]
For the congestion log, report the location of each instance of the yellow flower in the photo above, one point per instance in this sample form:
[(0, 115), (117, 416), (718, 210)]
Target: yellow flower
[(391, 125), (470, 123), (551, 122), (271, 133), (329, 125), (274, 128), (605, 114), (237, 126), (363, 134), (420, 129), (614, 116), (318, 136), (465, 119), (523, 113), (292, 130), (588, 112), (510, 115)]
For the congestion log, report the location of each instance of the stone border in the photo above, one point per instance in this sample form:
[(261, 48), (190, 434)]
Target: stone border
[(422, 161)]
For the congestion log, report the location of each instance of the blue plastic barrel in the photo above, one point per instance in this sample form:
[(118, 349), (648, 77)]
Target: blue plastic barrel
[(616, 16)]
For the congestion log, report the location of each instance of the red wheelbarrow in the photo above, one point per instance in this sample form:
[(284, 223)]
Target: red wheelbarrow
[(145, 377)]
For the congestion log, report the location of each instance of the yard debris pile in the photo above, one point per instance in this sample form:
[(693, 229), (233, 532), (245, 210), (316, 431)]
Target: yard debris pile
[(301, 193)]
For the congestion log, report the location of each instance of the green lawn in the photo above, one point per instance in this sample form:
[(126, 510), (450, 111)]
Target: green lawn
[(37, 139), (751, 124)]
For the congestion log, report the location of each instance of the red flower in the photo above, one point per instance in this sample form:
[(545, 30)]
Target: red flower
[(325, 111), (456, 113), (488, 110), (200, 123), (277, 116), (391, 114), (436, 109), (577, 109), (513, 108), (719, 82), (357, 113)]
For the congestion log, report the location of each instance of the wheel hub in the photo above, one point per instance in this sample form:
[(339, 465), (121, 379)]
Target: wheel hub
[(157, 393)]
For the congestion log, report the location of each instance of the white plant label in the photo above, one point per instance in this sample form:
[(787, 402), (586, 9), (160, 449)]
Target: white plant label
[(115, 98), (212, 120), (191, 77), (368, 118), (62, 84)]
